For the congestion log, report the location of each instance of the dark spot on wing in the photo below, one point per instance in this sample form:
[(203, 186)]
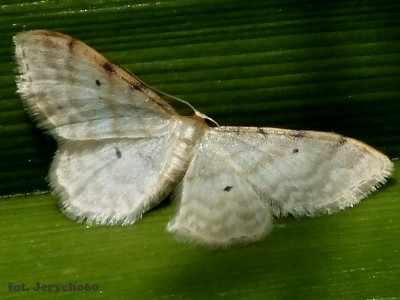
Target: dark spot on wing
[(118, 153), (342, 141), (298, 135), (228, 188), (138, 86), (23, 54), (295, 150), (236, 130), (27, 67), (262, 131), (108, 68), (71, 45), (98, 82)]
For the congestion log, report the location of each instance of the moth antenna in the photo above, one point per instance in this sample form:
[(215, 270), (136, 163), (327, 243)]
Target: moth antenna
[(196, 112)]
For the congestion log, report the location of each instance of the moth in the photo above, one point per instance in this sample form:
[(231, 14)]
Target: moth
[(122, 149)]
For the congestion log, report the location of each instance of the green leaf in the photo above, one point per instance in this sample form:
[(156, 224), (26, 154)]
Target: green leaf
[(353, 254), (330, 66)]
